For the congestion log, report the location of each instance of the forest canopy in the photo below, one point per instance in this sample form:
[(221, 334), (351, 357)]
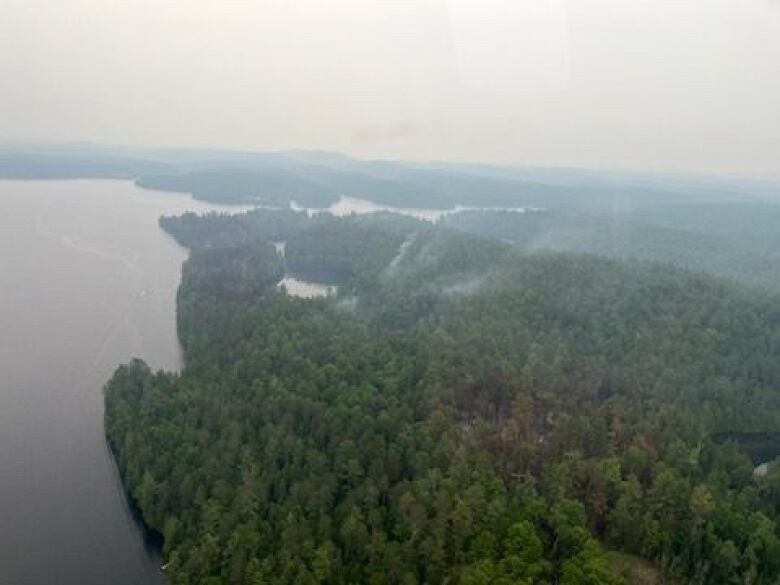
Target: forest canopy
[(463, 411)]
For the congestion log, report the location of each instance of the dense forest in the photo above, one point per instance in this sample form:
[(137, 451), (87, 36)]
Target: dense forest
[(739, 240), (462, 411)]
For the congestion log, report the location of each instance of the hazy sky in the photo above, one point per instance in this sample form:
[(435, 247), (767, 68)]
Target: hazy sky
[(675, 84)]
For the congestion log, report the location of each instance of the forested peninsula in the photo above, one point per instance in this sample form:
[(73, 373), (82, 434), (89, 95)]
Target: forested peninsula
[(463, 410)]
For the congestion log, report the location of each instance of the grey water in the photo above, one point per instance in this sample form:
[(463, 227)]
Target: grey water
[(305, 289), (346, 206), (87, 281)]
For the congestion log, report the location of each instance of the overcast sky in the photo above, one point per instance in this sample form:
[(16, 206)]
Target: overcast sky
[(667, 84)]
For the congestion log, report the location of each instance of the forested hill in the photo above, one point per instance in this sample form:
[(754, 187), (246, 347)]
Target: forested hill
[(739, 240), (458, 413), (319, 179)]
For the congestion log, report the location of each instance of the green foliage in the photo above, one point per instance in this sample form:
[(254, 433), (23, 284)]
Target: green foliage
[(476, 416), (269, 186), (737, 239)]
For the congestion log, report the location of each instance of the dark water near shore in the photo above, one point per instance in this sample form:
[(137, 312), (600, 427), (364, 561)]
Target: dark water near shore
[(87, 281)]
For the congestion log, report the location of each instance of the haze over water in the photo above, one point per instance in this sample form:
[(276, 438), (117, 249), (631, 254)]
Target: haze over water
[(87, 281), (686, 85)]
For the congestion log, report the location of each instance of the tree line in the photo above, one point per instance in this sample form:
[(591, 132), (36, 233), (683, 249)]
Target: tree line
[(459, 413)]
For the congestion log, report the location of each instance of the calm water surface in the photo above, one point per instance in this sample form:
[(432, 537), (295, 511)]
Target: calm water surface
[(305, 289), (346, 206), (87, 281)]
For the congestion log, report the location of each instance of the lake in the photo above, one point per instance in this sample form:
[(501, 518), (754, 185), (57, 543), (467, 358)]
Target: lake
[(305, 289), (346, 206), (87, 281)]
